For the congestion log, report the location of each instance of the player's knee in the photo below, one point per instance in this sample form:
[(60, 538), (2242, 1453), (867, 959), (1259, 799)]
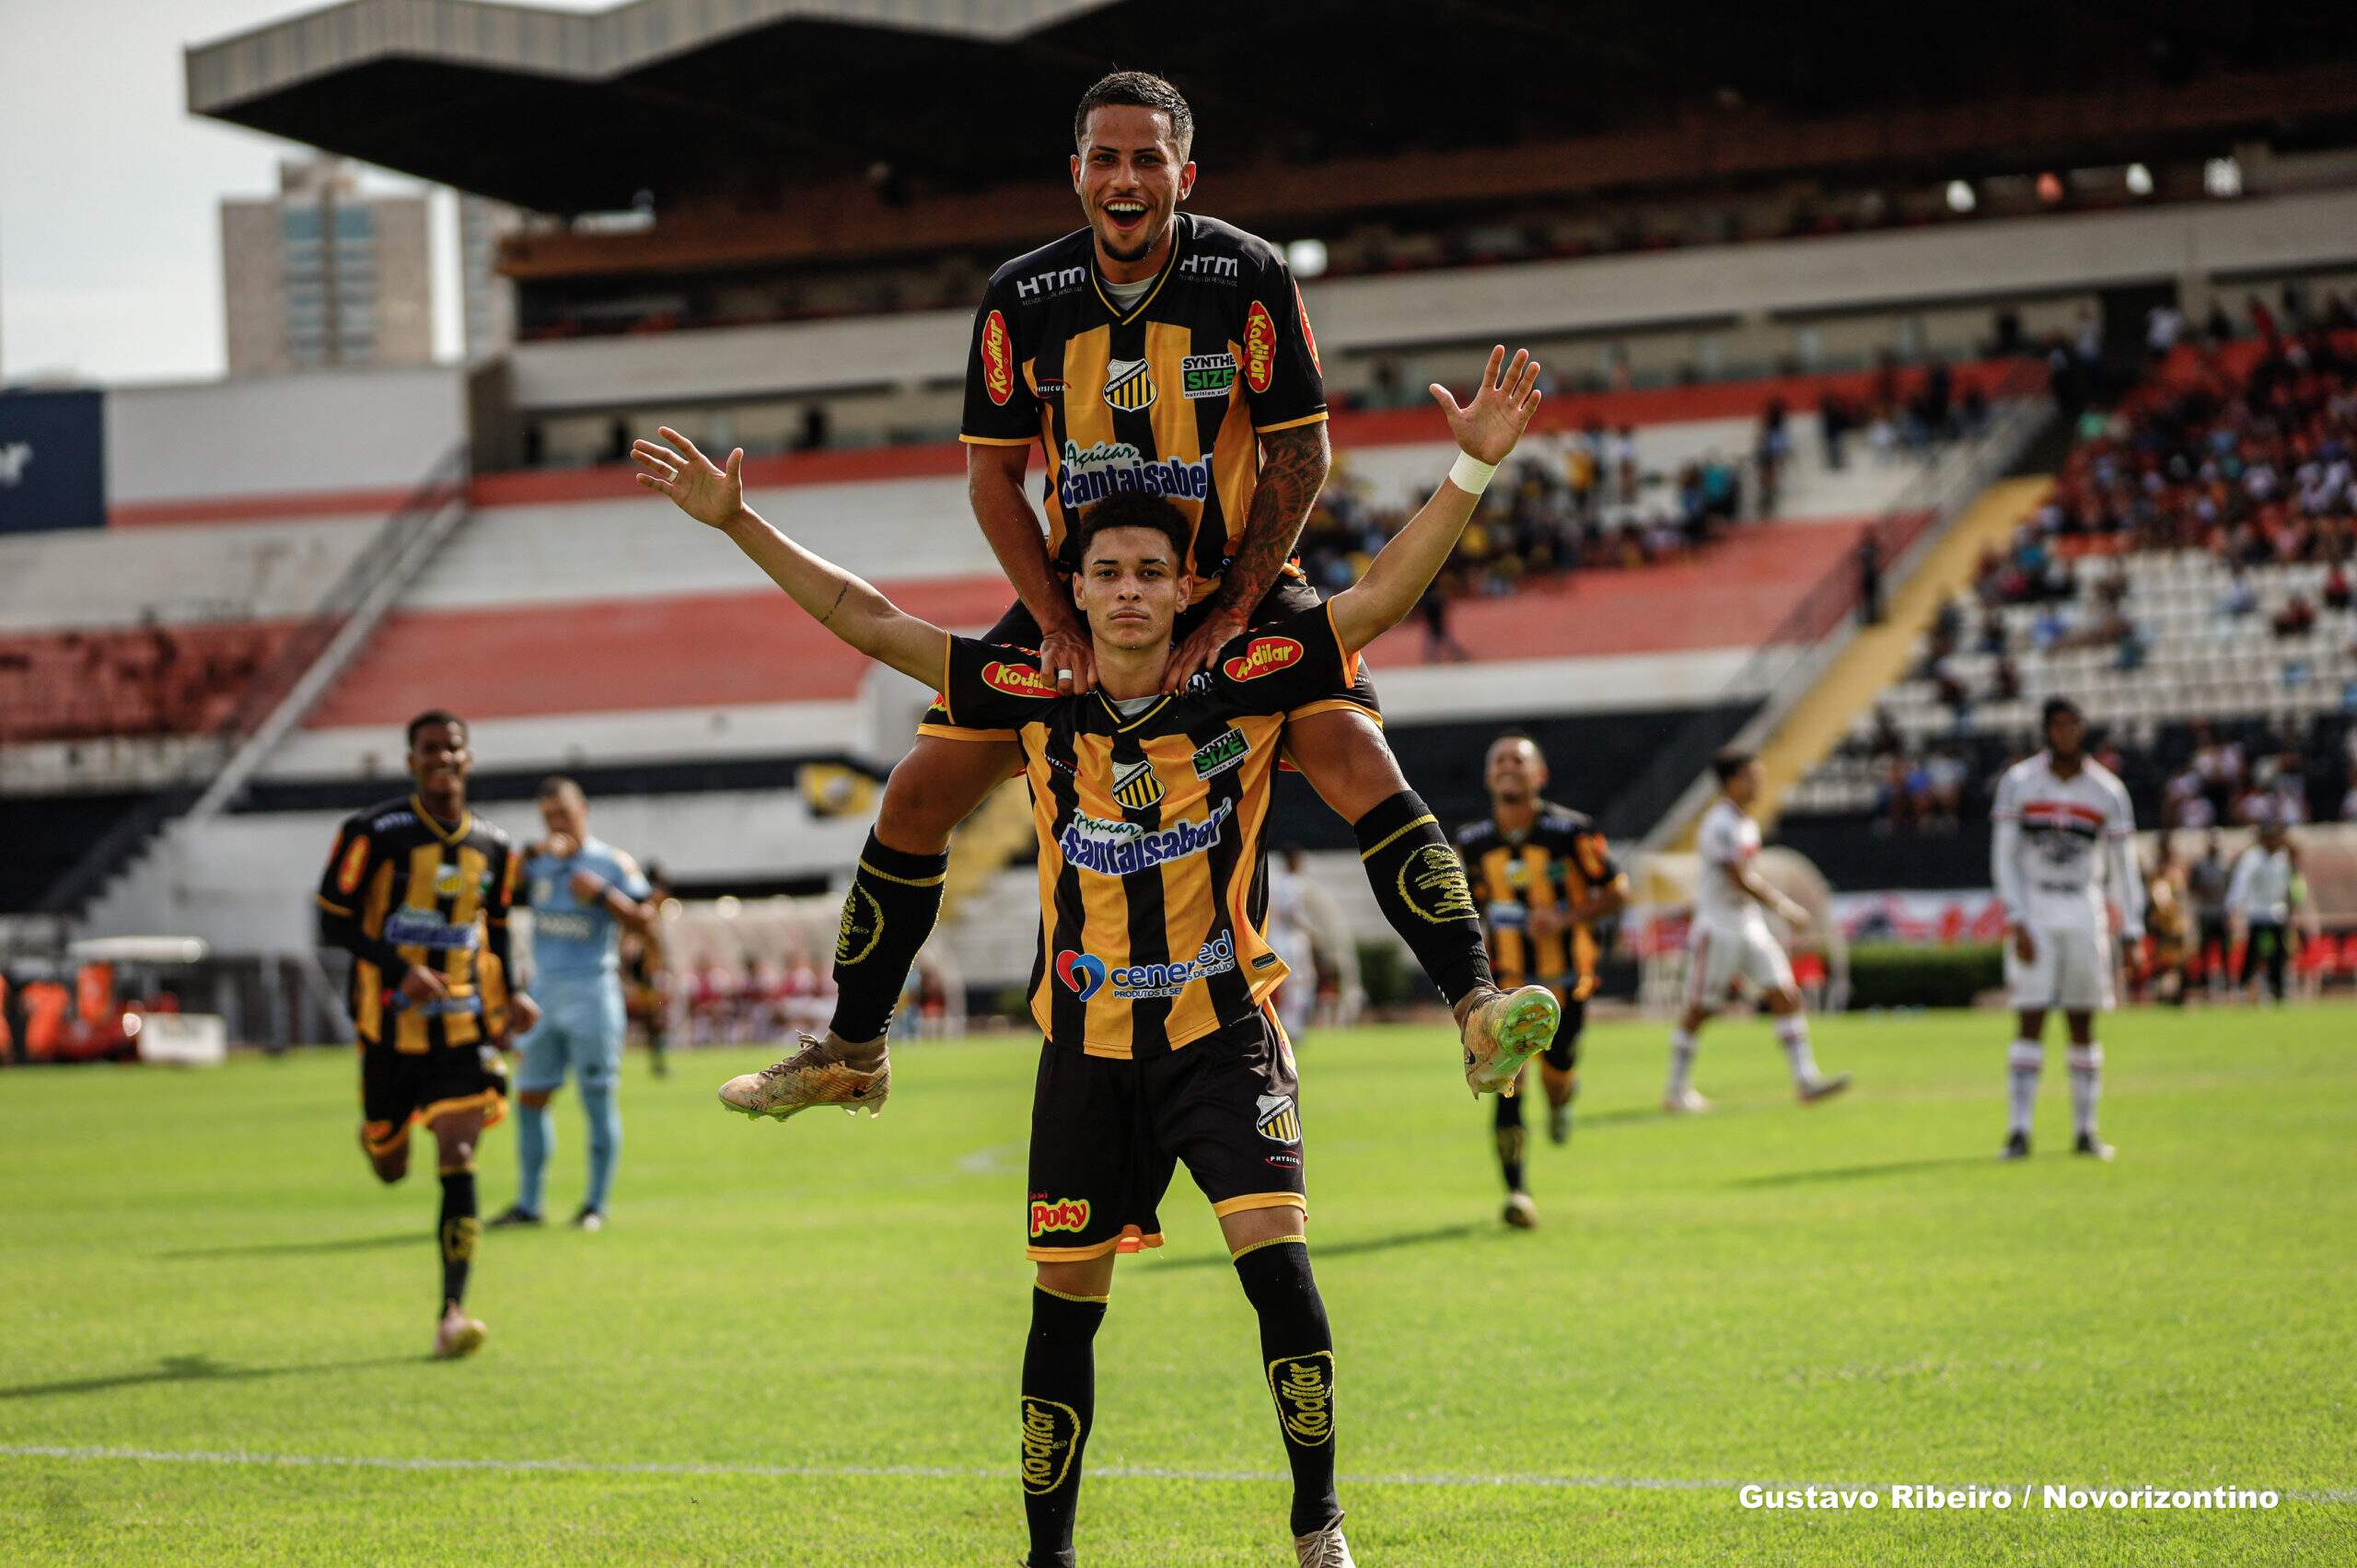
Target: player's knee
[(1251, 1227), (535, 1099), (1083, 1277), (391, 1165)]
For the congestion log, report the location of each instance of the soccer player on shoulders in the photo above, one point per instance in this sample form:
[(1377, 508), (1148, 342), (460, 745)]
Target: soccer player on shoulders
[(2063, 827), (1158, 351), (1731, 944), (1153, 980), (583, 892), (418, 892), (1543, 876)]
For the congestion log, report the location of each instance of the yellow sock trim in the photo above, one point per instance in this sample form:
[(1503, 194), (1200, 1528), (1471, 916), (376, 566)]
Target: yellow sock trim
[(905, 881), (1272, 1241), (1371, 854), (1066, 1296)]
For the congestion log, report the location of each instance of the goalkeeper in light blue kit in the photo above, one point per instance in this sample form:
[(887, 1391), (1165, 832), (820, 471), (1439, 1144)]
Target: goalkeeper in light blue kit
[(580, 889)]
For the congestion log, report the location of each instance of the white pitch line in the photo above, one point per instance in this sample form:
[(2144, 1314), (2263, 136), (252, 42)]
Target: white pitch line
[(934, 1473)]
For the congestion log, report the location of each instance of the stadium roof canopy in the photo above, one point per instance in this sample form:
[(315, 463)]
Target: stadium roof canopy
[(734, 99)]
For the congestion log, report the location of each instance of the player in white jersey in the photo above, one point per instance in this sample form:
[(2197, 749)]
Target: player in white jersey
[(2063, 828), (1732, 946)]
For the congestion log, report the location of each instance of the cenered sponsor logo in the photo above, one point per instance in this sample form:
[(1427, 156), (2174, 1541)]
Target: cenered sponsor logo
[(1220, 753), (1259, 348), (1058, 1214), (1051, 1435), (1084, 973), (1018, 680), (1207, 375), (998, 359), (1303, 1387), (1116, 849), (1264, 655), (1127, 384), (1137, 785)]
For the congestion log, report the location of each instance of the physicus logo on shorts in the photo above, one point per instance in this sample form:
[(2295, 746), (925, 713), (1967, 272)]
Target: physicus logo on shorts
[(1050, 1438), (1259, 348), (1019, 680), (1116, 849), (1432, 882), (998, 359), (1221, 752), (1089, 474), (1058, 1214), (1303, 1387), (1127, 384), (1278, 1119), (1308, 338), (1137, 785), (1204, 376), (1083, 974), (1263, 655), (356, 861)]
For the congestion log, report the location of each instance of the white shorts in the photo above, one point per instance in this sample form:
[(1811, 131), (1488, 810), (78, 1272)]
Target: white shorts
[(2072, 970), (1716, 959)]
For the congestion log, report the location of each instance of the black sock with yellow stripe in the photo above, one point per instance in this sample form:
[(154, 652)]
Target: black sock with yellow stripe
[(1059, 1403), (889, 911), (458, 1232), (1297, 1356), (1420, 883)]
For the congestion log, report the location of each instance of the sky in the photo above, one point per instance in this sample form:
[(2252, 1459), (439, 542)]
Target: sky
[(111, 191)]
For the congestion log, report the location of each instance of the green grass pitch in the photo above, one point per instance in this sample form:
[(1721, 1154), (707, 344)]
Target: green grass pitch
[(798, 1344)]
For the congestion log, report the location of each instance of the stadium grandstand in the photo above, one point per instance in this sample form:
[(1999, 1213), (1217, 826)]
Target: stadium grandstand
[(1799, 307)]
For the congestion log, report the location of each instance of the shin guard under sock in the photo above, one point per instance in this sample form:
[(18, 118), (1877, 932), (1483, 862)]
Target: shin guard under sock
[(889, 911), (1297, 1354), (1059, 1403), (1420, 883)]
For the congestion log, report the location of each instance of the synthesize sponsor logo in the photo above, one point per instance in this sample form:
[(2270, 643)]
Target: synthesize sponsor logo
[(1207, 375), (1303, 1387), (1137, 785), (1221, 752), (998, 359), (1127, 384), (1051, 1434), (1090, 475), (1263, 655), (1259, 348), (1116, 849), (1058, 1214), (1084, 973), (1279, 1120), (356, 861), (1308, 338), (1019, 680)]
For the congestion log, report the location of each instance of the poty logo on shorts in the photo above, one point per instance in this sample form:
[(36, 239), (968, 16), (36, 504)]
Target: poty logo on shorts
[(1082, 973), (1265, 655), (1091, 473), (1116, 849), (1018, 680), (998, 359), (1058, 1214)]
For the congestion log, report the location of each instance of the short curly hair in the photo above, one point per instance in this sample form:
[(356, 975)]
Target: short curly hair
[(1135, 510), (1139, 89)]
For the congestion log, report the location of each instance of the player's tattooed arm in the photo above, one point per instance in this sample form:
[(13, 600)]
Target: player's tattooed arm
[(1293, 469), (848, 606)]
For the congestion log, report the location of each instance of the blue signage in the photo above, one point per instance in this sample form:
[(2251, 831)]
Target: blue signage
[(53, 460)]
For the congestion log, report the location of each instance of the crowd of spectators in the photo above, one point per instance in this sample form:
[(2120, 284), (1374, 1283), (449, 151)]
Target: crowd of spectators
[(149, 680)]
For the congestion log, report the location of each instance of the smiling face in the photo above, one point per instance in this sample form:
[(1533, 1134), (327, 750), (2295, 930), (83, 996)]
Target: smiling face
[(1131, 588), (438, 760), (1515, 773), (1131, 178)]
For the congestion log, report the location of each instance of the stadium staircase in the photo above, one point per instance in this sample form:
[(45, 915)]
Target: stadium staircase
[(282, 691)]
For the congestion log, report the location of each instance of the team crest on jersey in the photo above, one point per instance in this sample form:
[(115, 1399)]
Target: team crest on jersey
[(1018, 680), (998, 359), (1207, 375), (1279, 1120), (1137, 785), (1221, 752), (1127, 384), (1259, 348), (1308, 338), (1263, 655)]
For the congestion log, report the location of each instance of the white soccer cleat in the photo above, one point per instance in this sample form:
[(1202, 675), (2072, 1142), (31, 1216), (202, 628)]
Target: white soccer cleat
[(1324, 1549), (1822, 1087), (810, 1076), (458, 1335), (1685, 1102), (1504, 1032)]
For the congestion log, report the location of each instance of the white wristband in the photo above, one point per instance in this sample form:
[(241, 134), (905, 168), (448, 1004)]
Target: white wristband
[(1470, 474)]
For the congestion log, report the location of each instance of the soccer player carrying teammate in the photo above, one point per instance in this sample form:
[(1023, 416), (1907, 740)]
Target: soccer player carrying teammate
[(1159, 353), (1153, 979), (1543, 876), (1731, 944), (2064, 823), (418, 891), (581, 889)]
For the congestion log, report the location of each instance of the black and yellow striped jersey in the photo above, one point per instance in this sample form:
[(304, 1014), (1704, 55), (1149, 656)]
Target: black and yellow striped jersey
[(403, 889), (1152, 886), (1169, 395), (1558, 860)]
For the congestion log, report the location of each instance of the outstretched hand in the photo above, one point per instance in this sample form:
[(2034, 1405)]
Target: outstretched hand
[(1488, 427), (711, 495)]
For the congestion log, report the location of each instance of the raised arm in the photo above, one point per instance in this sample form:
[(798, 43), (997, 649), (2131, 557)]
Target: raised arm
[(845, 605), (1486, 430)]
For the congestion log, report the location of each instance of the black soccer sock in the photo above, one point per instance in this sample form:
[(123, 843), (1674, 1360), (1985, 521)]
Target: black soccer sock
[(1508, 1121), (889, 912), (1297, 1352), (1059, 1403), (1420, 883), (459, 1229)]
